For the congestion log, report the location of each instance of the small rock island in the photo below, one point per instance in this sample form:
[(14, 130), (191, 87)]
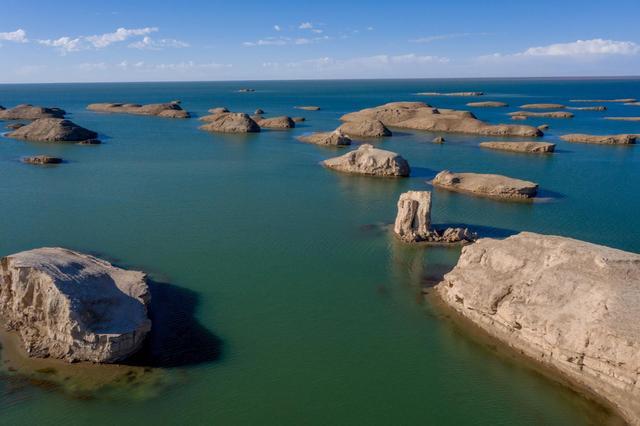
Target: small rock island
[(486, 185), (55, 130), (367, 160), (167, 110)]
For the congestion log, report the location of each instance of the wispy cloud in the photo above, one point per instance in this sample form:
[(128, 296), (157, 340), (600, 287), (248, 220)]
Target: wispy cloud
[(305, 26), (579, 49), (17, 36), (277, 27), (284, 41), (148, 43), (68, 44), (184, 66), (432, 38)]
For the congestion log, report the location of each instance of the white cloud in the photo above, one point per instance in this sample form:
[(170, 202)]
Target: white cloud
[(150, 44), (99, 41), (65, 44), (184, 66), (284, 41), (277, 28), (438, 37), (17, 36), (306, 26), (593, 47)]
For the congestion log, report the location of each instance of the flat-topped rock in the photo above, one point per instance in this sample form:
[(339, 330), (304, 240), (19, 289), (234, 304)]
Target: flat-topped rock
[(623, 139), (282, 122), (622, 100), (589, 108), (73, 306), (486, 185), (461, 94), (230, 122), (167, 110), (623, 118), (53, 130), (218, 110), (542, 106), (367, 160), (298, 119), (546, 114), (308, 107), (41, 160), (488, 104), (326, 138), (365, 129), (30, 112), (543, 127), (632, 103), (420, 116), (530, 147), (564, 303)]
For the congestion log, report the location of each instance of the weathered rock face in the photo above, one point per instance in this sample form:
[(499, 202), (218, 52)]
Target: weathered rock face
[(604, 139), (589, 108), (30, 112), (532, 147), (420, 116), (282, 122), (414, 216), (365, 129), (168, 110), (486, 185), (53, 130), (488, 104), (461, 94), (73, 306), (326, 138), (367, 160), (308, 107), (565, 303), (230, 122), (625, 100), (542, 106), (548, 114), (42, 159)]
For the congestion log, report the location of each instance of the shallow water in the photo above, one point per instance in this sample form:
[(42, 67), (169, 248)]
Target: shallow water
[(312, 312)]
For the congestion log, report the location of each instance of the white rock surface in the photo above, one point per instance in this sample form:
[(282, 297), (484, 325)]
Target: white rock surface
[(73, 306), (414, 216), (367, 160), (568, 304)]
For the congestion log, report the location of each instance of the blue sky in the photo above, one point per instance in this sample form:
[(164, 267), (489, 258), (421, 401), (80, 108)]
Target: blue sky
[(140, 40)]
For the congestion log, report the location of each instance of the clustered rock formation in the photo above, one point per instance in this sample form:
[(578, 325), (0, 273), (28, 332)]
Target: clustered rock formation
[(54, 130), (420, 116), (531, 147), (367, 160), (365, 129), (603, 140), (413, 222), (486, 185), (230, 122), (565, 303), (336, 138), (168, 110), (30, 112), (73, 306)]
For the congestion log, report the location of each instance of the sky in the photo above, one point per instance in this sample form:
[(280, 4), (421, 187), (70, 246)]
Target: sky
[(141, 40)]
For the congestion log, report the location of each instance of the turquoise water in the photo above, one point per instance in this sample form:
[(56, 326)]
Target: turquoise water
[(307, 311)]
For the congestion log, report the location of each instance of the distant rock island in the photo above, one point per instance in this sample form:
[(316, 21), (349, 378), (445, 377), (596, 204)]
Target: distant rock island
[(367, 160), (623, 139), (460, 94), (529, 147), (55, 130), (336, 138), (30, 112), (486, 185), (168, 110)]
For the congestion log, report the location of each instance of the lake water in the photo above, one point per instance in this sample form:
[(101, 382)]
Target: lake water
[(296, 305)]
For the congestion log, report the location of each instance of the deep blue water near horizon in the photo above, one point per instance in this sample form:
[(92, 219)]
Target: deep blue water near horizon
[(318, 310)]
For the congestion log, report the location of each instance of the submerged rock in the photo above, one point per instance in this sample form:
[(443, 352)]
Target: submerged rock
[(564, 303), (30, 112), (367, 160), (282, 122), (308, 107), (326, 138), (547, 114), (53, 130), (623, 139), (462, 94), (487, 185), (532, 147), (230, 122), (42, 159), (542, 106), (73, 306), (488, 104), (168, 110), (420, 116), (365, 129)]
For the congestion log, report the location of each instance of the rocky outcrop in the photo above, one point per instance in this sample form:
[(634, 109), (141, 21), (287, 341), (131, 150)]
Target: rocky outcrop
[(365, 129), (413, 222), (298, 119), (230, 122), (567, 304), (530, 147), (53, 130), (367, 160), (308, 107), (420, 116), (42, 159), (437, 139), (486, 185), (603, 139), (282, 122), (258, 111), (487, 104), (218, 110), (632, 103), (543, 127), (326, 138), (547, 114), (623, 118), (461, 94), (73, 306), (542, 106), (168, 110), (625, 100), (30, 112), (589, 108)]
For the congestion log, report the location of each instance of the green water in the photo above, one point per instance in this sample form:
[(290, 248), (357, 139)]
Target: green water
[(314, 313)]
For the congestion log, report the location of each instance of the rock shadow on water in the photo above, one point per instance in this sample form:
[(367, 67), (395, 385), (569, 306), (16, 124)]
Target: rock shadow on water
[(423, 173), (177, 338)]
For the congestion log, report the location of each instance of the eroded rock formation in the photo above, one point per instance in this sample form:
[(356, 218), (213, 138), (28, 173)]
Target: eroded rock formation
[(230, 122), (365, 129), (54, 130), (486, 185), (623, 139), (168, 110), (326, 138), (488, 104), (30, 112), (367, 160), (532, 147)]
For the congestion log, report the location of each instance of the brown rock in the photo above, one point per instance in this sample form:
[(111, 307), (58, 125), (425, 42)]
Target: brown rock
[(282, 122), (488, 104), (42, 159), (53, 130), (623, 139), (167, 110), (365, 128), (367, 160), (542, 106), (547, 114), (230, 122), (308, 107), (528, 147), (30, 112), (326, 138), (486, 185)]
